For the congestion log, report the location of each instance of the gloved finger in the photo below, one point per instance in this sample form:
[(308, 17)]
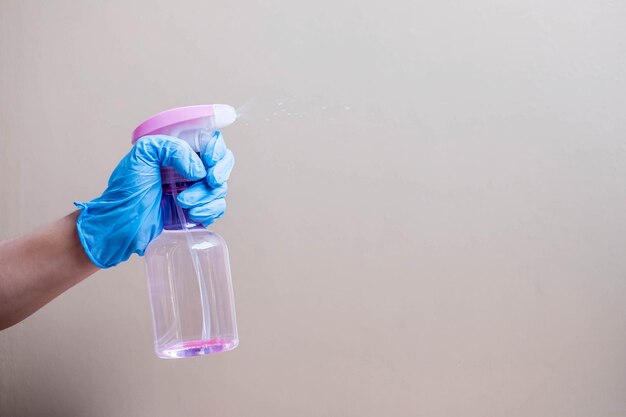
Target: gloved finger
[(207, 213), (168, 151), (214, 150), (177, 153), (200, 193), (220, 173)]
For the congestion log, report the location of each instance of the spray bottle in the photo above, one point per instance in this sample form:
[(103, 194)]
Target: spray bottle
[(188, 269)]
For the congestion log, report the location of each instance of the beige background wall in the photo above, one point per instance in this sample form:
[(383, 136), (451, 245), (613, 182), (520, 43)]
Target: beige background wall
[(436, 229)]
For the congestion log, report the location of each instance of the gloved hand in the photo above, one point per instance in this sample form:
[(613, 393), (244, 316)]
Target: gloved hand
[(127, 217)]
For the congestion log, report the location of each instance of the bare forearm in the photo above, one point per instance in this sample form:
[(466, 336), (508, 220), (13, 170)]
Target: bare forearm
[(37, 267)]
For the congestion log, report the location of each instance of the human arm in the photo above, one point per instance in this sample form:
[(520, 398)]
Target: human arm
[(37, 267)]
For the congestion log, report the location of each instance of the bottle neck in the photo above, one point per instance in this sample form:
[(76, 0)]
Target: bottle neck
[(173, 216)]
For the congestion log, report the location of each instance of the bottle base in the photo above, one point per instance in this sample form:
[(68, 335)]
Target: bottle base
[(197, 348)]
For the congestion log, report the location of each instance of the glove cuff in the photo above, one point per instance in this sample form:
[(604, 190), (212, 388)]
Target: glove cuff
[(82, 235)]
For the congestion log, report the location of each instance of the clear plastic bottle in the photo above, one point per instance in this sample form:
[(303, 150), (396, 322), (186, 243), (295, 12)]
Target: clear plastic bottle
[(189, 282), (191, 293)]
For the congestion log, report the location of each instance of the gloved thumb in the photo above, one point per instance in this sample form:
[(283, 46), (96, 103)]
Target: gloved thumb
[(175, 153)]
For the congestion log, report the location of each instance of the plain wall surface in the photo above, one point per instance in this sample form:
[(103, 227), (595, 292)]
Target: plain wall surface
[(426, 218)]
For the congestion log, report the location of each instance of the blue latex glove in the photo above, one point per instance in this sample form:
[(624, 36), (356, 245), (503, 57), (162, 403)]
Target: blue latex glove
[(127, 217)]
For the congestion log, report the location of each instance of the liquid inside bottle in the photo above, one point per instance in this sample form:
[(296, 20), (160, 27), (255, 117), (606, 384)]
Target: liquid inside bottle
[(189, 283)]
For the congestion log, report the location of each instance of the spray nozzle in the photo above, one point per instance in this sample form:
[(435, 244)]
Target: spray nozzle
[(225, 115)]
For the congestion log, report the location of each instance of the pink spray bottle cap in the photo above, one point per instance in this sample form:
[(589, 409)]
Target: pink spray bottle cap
[(190, 123)]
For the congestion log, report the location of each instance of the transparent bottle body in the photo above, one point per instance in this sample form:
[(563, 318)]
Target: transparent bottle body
[(193, 314)]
